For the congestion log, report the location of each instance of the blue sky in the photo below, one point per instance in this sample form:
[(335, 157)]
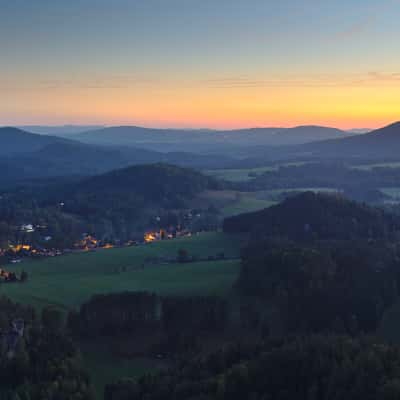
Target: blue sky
[(176, 49)]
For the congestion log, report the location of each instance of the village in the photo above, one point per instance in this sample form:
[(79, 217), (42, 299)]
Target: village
[(16, 253)]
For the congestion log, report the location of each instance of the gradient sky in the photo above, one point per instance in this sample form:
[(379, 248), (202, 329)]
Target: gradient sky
[(200, 63)]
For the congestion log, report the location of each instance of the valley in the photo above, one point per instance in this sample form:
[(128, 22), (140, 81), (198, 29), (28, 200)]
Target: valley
[(145, 264), (199, 200), (67, 281)]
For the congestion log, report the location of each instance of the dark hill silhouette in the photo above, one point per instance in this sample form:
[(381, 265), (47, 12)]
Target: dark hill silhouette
[(306, 134), (152, 182), (315, 216), (128, 198), (380, 143), (27, 156), (18, 141)]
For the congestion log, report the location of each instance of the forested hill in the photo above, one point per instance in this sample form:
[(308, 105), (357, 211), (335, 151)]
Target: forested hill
[(316, 216), (27, 156), (378, 144), (16, 141), (155, 182), (118, 205)]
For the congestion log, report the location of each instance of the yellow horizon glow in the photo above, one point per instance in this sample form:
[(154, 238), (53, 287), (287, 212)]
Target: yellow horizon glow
[(372, 103)]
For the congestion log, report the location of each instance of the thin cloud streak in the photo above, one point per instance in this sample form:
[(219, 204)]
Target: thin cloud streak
[(328, 80), (110, 82), (362, 26)]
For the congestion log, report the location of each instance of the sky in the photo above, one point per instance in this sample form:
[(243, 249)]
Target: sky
[(200, 63)]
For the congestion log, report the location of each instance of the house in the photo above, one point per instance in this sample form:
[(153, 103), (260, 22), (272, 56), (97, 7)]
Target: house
[(27, 228)]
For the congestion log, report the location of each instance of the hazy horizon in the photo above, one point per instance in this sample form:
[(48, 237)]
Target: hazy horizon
[(172, 127)]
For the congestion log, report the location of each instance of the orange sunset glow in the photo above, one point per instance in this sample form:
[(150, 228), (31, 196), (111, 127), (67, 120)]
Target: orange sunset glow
[(213, 65)]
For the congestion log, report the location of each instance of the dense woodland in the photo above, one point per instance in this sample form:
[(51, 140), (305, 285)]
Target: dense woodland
[(306, 368), (321, 263), (172, 326), (360, 184), (310, 216), (40, 362), (317, 274), (119, 205)]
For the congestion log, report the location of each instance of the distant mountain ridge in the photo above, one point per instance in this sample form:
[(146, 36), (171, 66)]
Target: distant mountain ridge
[(17, 141), (380, 143), (207, 140), (59, 130), (26, 155)]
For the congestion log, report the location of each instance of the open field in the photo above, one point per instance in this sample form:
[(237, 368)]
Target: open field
[(69, 280), (393, 192), (239, 175), (232, 202), (246, 174), (246, 203), (106, 367), (368, 167)]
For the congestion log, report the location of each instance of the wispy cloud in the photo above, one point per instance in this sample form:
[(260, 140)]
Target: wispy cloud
[(364, 24), (356, 28), (78, 82), (384, 76), (315, 80), (233, 82)]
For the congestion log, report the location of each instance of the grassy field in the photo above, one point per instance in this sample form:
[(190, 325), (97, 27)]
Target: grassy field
[(239, 175), (242, 202), (246, 203), (393, 192), (232, 202), (368, 167), (69, 280), (106, 367), (246, 174)]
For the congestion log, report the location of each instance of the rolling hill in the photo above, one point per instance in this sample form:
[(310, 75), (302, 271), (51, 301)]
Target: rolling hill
[(306, 134), (26, 156), (17, 141), (208, 141), (120, 204), (315, 216), (59, 130), (151, 182), (378, 144)]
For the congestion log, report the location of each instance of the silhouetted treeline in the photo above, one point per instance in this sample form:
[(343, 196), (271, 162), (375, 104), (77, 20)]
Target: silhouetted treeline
[(301, 368), (338, 287), (320, 174), (315, 216), (318, 263), (37, 360), (139, 312)]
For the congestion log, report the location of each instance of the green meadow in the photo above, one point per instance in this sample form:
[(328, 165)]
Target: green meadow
[(69, 280), (247, 174), (368, 167)]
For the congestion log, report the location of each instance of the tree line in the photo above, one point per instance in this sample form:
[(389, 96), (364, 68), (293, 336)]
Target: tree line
[(40, 362), (315, 367)]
